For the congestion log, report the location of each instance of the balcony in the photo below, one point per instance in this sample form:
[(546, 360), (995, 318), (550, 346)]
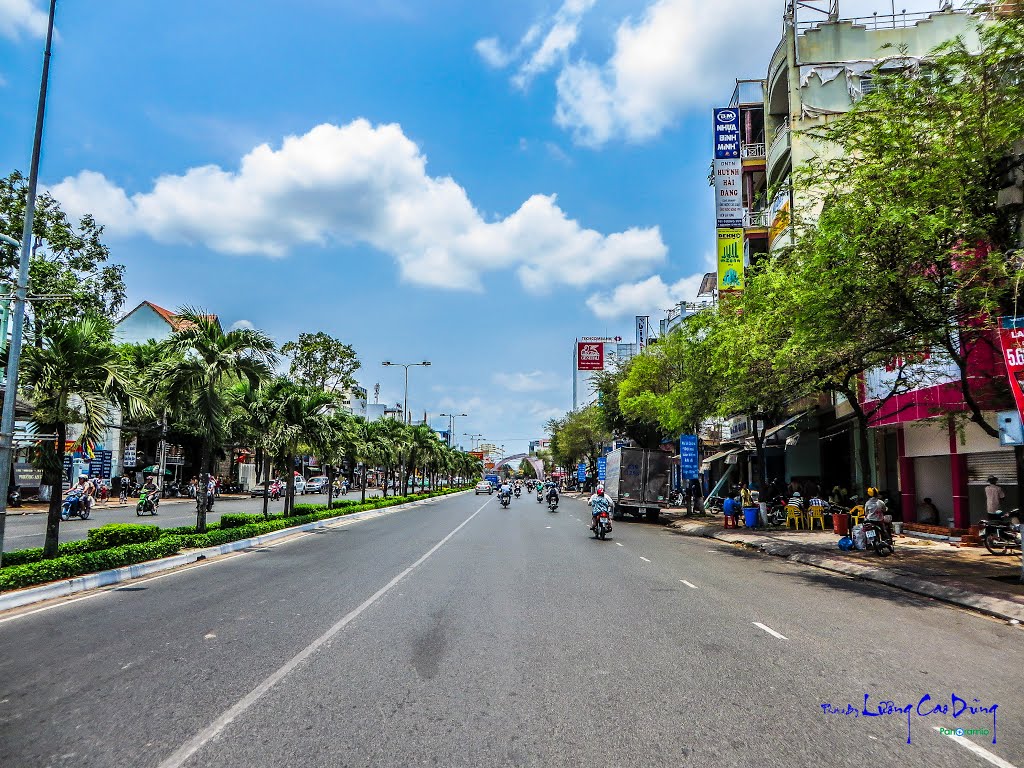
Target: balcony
[(778, 150), (753, 151), (755, 219)]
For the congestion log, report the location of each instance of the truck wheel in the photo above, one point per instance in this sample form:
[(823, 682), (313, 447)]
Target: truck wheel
[(652, 515)]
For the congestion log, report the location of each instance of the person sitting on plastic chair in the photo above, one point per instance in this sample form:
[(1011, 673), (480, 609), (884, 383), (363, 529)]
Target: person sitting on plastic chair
[(731, 510)]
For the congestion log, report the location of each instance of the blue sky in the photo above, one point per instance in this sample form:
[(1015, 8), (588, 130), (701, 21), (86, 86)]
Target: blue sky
[(474, 183)]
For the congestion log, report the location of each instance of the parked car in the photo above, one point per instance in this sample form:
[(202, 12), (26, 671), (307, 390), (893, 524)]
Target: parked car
[(300, 485), (316, 484), (483, 487)]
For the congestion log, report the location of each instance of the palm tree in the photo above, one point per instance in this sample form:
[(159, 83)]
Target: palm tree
[(301, 418), (391, 443), (75, 377), (204, 362), (425, 447)]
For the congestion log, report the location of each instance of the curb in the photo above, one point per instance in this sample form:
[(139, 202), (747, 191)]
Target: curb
[(67, 587), (993, 606)]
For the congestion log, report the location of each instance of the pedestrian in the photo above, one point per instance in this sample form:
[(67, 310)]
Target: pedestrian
[(746, 497), (993, 495), (928, 513)]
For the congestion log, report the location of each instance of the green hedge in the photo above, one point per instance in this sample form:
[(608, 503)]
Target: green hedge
[(238, 519), (120, 534), (23, 556), (68, 566)]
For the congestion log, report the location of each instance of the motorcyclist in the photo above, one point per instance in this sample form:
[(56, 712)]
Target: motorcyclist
[(86, 488), (552, 493), (874, 507), (599, 503), (505, 491), (152, 492)]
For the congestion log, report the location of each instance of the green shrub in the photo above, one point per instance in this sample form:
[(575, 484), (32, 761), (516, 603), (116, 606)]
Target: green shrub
[(68, 566), (239, 519), (120, 534)]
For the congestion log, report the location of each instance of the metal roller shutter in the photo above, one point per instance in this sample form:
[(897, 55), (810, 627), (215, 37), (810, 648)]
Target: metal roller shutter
[(1002, 464)]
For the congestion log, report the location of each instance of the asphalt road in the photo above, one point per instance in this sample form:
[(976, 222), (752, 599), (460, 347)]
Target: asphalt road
[(459, 634), (24, 531)]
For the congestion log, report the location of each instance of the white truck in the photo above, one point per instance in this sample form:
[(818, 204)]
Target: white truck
[(637, 482)]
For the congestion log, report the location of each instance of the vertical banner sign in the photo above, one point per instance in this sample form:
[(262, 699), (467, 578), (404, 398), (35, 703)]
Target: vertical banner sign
[(131, 453), (1011, 338), (590, 356), (689, 458), (602, 468), (730, 260), (728, 169), (643, 324), (581, 473)]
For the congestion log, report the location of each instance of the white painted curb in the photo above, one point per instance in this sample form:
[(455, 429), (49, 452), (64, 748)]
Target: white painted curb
[(68, 587)]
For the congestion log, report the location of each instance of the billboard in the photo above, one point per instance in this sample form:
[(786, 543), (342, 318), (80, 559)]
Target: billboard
[(730, 260), (1011, 339), (728, 169), (589, 356), (643, 324), (727, 134), (689, 457)]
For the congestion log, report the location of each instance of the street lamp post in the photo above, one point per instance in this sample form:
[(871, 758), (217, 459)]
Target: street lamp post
[(451, 424), (407, 366), (472, 439), (21, 290)]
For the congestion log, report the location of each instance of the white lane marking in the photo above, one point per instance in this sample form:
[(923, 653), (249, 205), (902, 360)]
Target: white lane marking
[(644, 559), (181, 755), (618, 543), (547, 527), (769, 630), (979, 751), (691, 586)]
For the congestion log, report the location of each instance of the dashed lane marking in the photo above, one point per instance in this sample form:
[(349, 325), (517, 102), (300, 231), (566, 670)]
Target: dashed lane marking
[(644, 559), (618, 543), (691, 586), (769, 630)]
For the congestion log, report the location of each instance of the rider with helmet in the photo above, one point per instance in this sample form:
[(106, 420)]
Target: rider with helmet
[(874, 507), (599, 503)]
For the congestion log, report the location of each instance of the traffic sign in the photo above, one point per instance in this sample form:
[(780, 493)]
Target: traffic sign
[(602, 468)]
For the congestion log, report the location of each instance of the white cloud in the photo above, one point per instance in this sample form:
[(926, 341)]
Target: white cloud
[(366, 184), (544, 46), (240, 324), (646, 297), (680, 55), (21, 16), (533, 381)]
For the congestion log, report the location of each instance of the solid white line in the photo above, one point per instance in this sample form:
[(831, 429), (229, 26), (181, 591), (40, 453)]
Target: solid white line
[(691, 586), (644, 559), (618, 543), (769, 630), (181, 755), (979, 751)]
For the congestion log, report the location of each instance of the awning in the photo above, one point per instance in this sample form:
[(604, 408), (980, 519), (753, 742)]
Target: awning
[(706, 464), (779, 427)]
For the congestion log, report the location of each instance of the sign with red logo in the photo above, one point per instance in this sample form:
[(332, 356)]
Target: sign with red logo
[(1011, 338), (590, 356)]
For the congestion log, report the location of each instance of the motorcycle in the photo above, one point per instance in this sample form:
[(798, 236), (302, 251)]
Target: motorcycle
[(14, 496), (1000, 533), (518, 492), (553, 502), (147, 504), (540, 496), (75, 505), (505, 499), (602, 525), (879, 537)]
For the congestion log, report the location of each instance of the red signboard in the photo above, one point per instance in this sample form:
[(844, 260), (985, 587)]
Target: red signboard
[(1011, 337), (590, 356)]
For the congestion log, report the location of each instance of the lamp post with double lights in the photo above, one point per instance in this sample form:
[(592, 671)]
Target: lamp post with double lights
[(473, 437), (407, 366), (451, 425)]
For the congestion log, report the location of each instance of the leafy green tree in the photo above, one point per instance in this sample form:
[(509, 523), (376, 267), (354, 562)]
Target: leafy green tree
[(322, 361), (67, 259), (76, 376), (645, 432), (203, 362), (580, 436)]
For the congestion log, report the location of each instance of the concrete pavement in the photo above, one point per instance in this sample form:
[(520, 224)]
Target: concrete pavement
[(458, 634)]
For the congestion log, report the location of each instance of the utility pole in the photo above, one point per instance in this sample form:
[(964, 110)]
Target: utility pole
[(21, 291)]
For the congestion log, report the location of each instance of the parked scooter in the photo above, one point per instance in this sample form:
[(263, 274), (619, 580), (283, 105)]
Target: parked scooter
[(1000, 533), (75, 505), (14, 496), (147, 503), (879, 537)]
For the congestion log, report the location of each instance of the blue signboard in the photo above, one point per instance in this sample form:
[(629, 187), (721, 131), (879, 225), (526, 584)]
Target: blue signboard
[(689, 457), (727, 134), (602, 468), (581, 473)]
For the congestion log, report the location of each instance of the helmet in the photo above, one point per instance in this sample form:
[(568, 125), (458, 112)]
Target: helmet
[(872, 492), (796, 494), (600, 490)]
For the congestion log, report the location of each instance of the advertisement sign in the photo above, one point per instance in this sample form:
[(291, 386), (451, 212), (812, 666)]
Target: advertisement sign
[(602, 468), (689, 457), (590, 356), (643, 324), (581, 473), (28, 476), (729, 193), (1011, 338), (103, 464), (131, 453), (727, 134), (730, 260)]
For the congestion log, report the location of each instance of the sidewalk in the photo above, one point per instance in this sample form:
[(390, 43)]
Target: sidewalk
[(965, 576), (41, 507)]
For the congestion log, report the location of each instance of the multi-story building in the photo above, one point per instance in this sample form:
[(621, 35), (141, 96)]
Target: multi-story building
[(590, 355)]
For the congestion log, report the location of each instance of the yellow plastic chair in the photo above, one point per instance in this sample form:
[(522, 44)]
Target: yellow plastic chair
[(857, 515), (794, 515), (816, 514)]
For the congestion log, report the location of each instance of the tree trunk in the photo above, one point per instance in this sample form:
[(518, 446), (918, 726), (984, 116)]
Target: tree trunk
[(289, 496), (762, 470), (266, 488), (330, 485), (56, 498), (204, 481), (363, 485)]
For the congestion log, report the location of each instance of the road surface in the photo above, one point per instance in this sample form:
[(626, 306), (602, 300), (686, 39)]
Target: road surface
[(458, 634)]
